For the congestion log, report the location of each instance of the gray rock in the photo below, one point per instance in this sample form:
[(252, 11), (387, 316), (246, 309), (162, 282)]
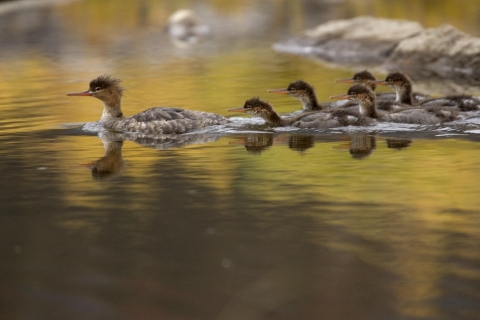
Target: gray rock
[(441, 52), (358, 40), (396, 45)]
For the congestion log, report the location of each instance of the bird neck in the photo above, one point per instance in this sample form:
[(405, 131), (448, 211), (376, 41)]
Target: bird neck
[(372, 86), (368, 107), (404, 94), (112, 110), (309, 102), (273, 119)]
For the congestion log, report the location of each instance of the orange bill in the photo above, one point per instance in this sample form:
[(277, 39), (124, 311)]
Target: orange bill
[(86, 93), (242, 109), (278, 91), (340, 97), (347, 80)]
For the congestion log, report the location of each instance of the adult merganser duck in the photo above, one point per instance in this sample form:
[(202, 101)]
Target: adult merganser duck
[(366, 100), (152, 121), (319, 120)]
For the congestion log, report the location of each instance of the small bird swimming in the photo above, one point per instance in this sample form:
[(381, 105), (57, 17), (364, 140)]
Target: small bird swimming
[(318, 120), (366, 100), (302, 91), (385, 99), (305, 93), (402, 84)]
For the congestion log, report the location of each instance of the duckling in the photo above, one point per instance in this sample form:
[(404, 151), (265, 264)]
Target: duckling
[(366, 100), (318, 120)]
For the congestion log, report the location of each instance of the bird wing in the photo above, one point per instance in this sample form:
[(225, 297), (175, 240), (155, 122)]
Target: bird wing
[(171, 120)]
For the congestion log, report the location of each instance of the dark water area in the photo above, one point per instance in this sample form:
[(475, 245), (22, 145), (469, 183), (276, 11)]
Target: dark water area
[(244, 222)]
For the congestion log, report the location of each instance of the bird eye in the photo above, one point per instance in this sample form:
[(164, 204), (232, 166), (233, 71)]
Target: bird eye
[(353, 94), (293, 90), (98, 89)]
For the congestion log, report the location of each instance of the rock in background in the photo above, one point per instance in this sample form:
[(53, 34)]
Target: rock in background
[(363, 40), (440, 53)]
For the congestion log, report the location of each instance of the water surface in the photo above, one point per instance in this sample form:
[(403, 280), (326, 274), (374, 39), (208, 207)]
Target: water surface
[(244, 223)]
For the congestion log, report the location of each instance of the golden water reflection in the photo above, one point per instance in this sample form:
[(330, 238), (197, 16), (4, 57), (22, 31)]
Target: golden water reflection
[(264, 225), (407, 212)]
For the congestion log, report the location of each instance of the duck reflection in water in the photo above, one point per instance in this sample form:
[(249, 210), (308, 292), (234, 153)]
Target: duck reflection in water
[(396, 143), (301, 142), (111, 164), (256, 143), (169, 141), (361, 146)]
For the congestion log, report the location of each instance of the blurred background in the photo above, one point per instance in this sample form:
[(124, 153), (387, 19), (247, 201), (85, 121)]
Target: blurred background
[(259, 224)]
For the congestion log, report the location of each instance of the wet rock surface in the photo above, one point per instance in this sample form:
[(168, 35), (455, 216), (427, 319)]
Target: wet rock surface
[(442, 52)]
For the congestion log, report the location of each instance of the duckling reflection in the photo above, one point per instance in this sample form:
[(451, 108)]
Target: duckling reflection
[(301, 142), (361, 146), (111, 164), (256, 143), (394, 143)]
